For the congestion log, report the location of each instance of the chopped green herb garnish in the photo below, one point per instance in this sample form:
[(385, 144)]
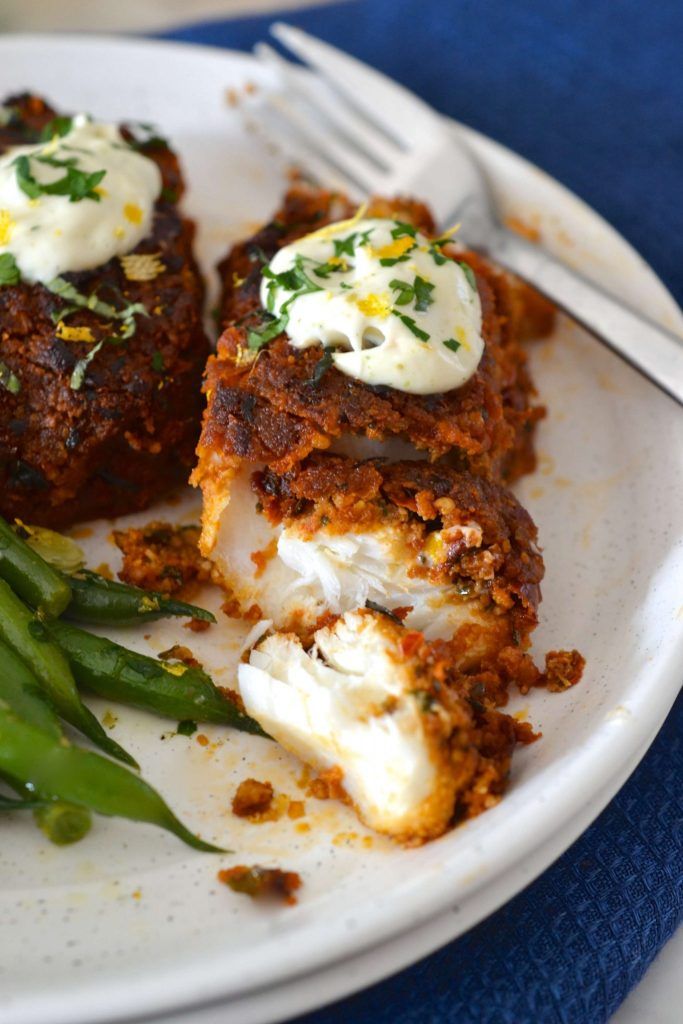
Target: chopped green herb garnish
[(146, 135), (187, 727), (9, 380), (322, 366), (391, 261), (347, 246), (437, 255), (374, 607), (402, 229), (259, 336), (75, 184), (325, 269), (406, 291), (411, 325), (9, 271), (469, 274), (158, 364), (423, 294), (80, 369), (295, 280), (59, 126), (76, 300), (420, 291), (452, 344)]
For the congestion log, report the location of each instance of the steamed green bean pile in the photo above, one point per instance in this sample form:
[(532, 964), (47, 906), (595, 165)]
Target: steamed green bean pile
[(45, 660)]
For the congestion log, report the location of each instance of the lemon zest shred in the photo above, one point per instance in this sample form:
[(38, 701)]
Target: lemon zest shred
[(341, 225), (133, 213), (65, 333), (142, 266), (394, 250), (7, 226), (374, 305)]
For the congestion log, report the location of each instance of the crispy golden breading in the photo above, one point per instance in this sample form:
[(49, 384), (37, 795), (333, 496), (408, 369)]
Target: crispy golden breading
[(418, 527), (128, 434), (270, 408), (162, 557), (396, 692), (500, 566)]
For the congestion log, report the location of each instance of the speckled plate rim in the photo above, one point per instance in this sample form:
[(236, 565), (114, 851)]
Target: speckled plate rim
[(594, 767)]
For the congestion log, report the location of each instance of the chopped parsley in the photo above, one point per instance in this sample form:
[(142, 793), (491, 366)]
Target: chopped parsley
[(437, 255), (347, 246), (391, 261), (259, 336), (322, 366), (295, 280), (187, 727), (419, 292), (75, 184), (469, 274), (9, 380), (411, 325), (372, 606), (76, 301), (9, 271), (59, 126), (402, 230), (452, 344), (146, 136)]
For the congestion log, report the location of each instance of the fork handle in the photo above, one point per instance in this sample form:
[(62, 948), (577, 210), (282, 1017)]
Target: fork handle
[(652, 350)]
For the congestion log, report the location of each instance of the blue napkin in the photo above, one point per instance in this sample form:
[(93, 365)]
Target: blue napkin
[(593, 93)]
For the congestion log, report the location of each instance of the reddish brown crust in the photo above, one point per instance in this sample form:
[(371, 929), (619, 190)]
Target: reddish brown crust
[(163, 558), (270, 410), (340, 494), (252, 797), (128, 434), (259, 882)]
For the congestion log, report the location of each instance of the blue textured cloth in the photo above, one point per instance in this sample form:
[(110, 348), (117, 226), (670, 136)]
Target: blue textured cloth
[(592, 91)]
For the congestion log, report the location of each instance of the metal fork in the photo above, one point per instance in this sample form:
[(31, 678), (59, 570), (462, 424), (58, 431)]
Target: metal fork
[(354, 128)]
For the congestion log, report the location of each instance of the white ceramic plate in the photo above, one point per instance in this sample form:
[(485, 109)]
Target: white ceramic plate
[(131, 924)]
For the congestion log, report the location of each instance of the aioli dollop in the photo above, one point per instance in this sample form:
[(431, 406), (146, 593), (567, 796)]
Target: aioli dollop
[(393, 308), (96, 216)]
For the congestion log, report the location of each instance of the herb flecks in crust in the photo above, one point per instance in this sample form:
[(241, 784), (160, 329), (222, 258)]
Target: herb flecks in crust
[(162, 557), (260, 883), (106, 367)]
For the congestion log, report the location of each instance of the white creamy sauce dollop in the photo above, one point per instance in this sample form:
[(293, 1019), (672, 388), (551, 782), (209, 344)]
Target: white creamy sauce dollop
[(393, 308), (85, 217)]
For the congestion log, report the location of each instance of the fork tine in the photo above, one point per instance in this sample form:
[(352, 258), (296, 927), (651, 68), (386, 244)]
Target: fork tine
[(326, 145), (385, 104), (330, 106), (272, 131)]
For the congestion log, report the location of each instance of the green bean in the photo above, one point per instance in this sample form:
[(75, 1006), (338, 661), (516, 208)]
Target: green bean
[(104, 602), (30, 575), (28, 637), (20, 690), (174, 691), (10, 803), (63, 823), (55, 769)]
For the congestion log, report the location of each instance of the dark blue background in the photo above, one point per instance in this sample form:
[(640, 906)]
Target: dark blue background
[(592, 92)]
